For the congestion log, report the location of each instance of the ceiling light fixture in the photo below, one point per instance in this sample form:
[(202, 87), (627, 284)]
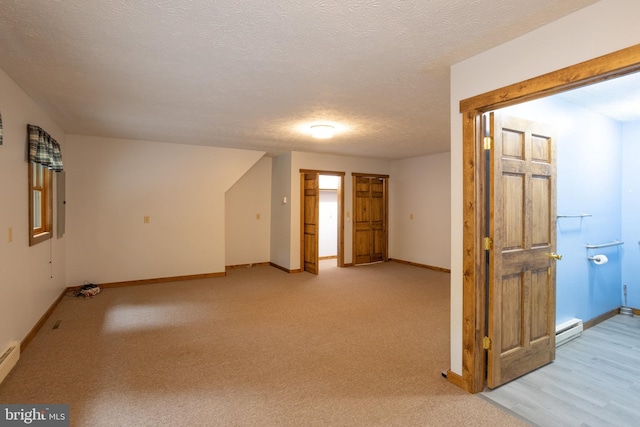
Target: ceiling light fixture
[(322, 131)]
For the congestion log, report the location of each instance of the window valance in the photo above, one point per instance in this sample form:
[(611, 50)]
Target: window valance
[(43, 149)]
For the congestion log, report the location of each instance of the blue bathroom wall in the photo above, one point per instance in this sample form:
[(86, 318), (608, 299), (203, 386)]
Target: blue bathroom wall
[(631, 212), (589, 150)]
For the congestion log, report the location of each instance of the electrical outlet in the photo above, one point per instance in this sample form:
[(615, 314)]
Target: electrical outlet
[(410, 216), (146, 219), (10, 235), (257, 216)]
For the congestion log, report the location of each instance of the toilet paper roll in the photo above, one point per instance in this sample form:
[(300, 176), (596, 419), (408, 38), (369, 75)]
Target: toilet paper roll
[(600, 259)]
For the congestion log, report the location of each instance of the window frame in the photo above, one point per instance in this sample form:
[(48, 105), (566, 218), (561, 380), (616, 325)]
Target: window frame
[(45, 187)]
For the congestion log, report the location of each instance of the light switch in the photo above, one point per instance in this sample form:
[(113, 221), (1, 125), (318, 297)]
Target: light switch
[(257, 216), (410, 216), (146, 219), (10, 235)]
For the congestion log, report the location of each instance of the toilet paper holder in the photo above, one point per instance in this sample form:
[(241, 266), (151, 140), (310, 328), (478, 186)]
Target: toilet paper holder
[(599, 259)]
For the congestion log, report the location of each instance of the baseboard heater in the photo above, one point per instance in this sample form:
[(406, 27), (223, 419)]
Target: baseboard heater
[(8, 359), (566, 331)]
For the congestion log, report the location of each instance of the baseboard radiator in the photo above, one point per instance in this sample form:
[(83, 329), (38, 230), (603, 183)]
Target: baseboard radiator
[(566, 331), (8, 359)]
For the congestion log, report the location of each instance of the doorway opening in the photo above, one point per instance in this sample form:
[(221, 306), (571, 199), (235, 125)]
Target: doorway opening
[(626, 61), (597, 129), (321, 218), (328, 219)]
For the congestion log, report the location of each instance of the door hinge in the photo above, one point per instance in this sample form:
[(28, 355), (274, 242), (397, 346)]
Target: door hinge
[(488, 243), (488, 142), (486, 343)]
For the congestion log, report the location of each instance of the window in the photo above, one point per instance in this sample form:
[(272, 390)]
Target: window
[(44, 159), (40, 203)]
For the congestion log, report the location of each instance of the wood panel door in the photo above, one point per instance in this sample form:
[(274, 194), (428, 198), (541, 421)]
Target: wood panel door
[(310, 226), (522, 271), (370, 219)]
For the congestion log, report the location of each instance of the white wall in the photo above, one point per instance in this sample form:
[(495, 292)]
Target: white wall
[(420, 210), (31, 278), (112, 184), (281, 211), (248, 216), (602, 28)]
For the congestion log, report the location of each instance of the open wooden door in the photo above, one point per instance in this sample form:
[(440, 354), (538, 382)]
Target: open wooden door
[(310, 209), (522, 244)]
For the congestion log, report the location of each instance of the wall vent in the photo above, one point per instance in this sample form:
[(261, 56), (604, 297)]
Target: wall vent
[(9, 358), (566, 331)]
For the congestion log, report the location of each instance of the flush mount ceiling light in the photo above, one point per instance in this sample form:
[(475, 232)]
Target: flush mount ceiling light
[(322, 131)]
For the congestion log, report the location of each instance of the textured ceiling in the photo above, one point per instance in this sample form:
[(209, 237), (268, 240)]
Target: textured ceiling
[(256, 75), (617, 98)]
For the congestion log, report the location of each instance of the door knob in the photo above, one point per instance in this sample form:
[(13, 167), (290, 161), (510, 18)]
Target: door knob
[(555, 256)]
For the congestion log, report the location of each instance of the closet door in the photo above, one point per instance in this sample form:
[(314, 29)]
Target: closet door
[(370, 218)]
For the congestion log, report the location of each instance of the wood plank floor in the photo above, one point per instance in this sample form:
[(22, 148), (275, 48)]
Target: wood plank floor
[(594, 381)]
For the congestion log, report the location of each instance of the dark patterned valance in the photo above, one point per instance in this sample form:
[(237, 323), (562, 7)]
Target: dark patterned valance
[(43, 149)]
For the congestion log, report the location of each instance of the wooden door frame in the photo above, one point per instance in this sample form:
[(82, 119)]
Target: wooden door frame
[(340, 214), (616, 64), (354, 177)]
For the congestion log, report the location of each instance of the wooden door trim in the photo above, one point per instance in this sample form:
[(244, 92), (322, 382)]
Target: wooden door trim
[(340, 213), (371, 175), (322, 172), (616, 64)]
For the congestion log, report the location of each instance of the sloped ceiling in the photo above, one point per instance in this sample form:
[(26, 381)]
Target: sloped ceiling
[(257, 74)]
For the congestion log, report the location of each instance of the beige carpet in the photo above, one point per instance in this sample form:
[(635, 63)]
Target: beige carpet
[(358, 346)]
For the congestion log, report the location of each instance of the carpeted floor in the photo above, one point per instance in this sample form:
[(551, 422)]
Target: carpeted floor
[(358, 346)]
